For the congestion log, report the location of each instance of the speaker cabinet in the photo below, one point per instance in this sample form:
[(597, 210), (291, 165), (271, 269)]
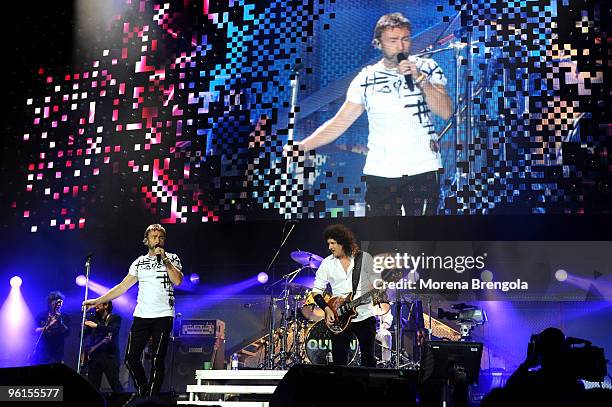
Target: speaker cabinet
[(185, 356), (76, 389), (315, 385)]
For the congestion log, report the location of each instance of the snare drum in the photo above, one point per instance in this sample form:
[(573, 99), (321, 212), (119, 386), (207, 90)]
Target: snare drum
[(319, 343)]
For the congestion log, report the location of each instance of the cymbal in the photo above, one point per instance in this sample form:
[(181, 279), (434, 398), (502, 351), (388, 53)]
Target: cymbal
[(307, 259), (296, 287)]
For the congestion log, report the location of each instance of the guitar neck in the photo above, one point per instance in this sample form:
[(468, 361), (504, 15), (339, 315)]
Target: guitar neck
[(363, 299), (96, 346), (102, 342)]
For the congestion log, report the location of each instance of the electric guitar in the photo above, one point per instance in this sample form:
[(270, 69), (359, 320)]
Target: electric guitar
[(90, 349), (51, 320), (344, 308)]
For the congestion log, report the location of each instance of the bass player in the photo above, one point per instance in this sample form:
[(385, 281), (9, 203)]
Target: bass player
[(103, 354)]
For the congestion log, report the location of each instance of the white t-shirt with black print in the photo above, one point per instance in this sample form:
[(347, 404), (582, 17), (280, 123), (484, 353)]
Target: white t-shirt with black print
[(155, 290), (400, 126)]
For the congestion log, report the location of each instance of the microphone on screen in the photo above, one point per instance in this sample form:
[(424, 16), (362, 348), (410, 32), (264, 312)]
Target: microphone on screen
[(408, 77)]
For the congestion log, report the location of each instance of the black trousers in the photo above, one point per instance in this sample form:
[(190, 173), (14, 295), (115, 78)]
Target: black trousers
[(418, 194), (366, 335), (143, 329), (104, 363)]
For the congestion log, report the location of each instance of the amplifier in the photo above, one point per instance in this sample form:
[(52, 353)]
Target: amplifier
[(201, 328), (185, 356)]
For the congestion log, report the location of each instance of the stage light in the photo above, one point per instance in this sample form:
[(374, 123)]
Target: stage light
[(486, 276), (16, 341), (16, 282), (262, 277), (124, 303), (561, 275), (194, 278), (80, 280)]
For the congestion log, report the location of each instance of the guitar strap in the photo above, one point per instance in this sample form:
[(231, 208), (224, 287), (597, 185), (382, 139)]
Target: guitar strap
[(318, 298), (357, 270)]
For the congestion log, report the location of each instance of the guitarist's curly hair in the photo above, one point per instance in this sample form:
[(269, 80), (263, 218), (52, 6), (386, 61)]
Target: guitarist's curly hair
[(344, 236)]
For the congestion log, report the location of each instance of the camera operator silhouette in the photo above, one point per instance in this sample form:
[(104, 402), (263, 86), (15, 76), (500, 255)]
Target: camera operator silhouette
[(554, 383)]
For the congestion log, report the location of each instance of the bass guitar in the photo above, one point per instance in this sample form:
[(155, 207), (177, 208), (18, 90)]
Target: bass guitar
[(90, 349)]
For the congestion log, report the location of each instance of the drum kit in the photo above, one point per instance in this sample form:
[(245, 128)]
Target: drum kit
[(300, 335)]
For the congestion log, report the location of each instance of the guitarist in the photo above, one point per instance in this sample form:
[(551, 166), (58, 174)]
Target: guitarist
[(337, 270), (53, 327), (105, 357)]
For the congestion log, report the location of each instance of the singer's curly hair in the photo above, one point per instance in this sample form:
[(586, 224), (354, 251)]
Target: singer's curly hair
[(344, 236), (392, 20)]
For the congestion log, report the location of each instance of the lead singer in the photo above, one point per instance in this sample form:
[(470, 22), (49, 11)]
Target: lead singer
[(398, 92), (157, 273)]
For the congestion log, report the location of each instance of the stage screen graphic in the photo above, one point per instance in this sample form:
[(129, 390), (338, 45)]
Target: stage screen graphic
[(190, 112)]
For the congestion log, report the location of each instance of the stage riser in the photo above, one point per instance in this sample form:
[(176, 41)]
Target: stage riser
[(251, 388)]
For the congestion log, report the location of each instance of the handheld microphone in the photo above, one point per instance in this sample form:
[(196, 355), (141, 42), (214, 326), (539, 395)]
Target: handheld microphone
[(407, 77), (158, 255)]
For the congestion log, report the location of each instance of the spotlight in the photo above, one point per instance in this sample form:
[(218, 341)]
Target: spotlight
[(262, 277), (16, 282), (561, 275), (80, 280), (194, 278), (486, 276)]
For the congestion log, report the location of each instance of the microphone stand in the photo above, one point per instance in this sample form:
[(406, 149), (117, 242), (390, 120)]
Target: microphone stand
[(294, 81), (429, 311), (269, 359), (398, 329), (87, 269), (270, 355), (293, 168), (285, 314)]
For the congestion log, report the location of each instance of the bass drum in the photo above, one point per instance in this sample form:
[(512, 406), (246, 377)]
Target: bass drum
[(318, 344)]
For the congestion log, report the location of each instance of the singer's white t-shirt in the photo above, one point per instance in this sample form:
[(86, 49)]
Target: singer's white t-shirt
[(399, 122), (155, 290)]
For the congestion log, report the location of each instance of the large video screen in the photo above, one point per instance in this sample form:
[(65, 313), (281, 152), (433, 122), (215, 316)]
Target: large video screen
[(202, 111)]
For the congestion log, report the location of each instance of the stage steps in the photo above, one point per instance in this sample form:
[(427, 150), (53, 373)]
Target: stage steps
[(214, 387)]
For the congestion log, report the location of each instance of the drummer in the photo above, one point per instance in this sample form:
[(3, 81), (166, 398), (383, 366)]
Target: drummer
[(383, 335), (310, 310)]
